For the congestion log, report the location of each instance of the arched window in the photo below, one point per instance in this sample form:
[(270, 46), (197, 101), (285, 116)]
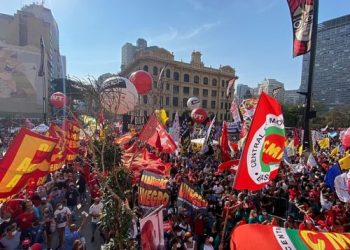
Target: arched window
[(205, 80), (214, 82), (145, 68), (196, 79), (155, 70), (167, 73), (176, 76), (186, 78)]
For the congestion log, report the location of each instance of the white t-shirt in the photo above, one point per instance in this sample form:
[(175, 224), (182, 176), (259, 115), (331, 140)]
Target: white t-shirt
[(218, 189), (61, 216), (208, 247), (97, 210)]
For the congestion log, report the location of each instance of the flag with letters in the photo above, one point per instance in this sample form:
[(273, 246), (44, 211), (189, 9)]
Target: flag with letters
[(264, 146)]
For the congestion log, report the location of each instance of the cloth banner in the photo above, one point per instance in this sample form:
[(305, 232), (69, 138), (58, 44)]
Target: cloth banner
[(301, 12), (235, 111), (153, 191), (190, 197), (264, 237), (185, 135), (152, 231), (72, 131), (59, 153), (264, 146), (28, 158)]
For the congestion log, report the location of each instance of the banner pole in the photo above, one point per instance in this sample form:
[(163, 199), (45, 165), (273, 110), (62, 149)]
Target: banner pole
[(307, 141)]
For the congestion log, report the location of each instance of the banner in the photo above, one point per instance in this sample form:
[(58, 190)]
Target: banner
[(151, 128), (72, 131), (225, 155), (234, 111), (189, 196), (153, 190), (152, 231), (264, 146), (263, 237), (28, 157), (301, 12), (59, 153)]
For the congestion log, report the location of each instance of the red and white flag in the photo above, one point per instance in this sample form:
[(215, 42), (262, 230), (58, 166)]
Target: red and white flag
[(154, 127), (235, 111), (264, 146), (230, 85)]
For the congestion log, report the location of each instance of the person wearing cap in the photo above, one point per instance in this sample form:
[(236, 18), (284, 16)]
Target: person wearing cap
[(95, 212)]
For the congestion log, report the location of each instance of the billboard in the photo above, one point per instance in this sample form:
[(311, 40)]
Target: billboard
[(21, 90)]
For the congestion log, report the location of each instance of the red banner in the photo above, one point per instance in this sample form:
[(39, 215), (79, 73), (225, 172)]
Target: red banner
[(72, 140), (28, 158), (59, 153), (263, 149), (301, 12)]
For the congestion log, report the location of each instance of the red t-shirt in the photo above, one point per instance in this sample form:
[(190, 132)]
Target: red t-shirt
[(25, 220), (95, 193)]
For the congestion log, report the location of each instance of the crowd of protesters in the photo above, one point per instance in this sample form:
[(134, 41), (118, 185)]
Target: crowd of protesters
[(53, 215)]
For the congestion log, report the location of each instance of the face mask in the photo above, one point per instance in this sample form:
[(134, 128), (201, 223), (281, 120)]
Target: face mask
[(60, 207), (14, 233), (211, 239), (178, 234), (178, 245)]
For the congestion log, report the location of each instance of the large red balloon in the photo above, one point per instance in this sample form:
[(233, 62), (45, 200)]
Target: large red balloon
[(142, 81), (346, 139), (58, 100), (199, 115)]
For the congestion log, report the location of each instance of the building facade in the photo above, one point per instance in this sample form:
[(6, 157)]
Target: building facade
[(269, 85), (291, 97), (241, 92), (332, 63), (20, 36), (179, 82)]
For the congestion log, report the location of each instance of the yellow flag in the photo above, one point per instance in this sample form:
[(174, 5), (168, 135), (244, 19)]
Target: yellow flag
[(335, 151), (163, 116), (324, 143), (301, 150), (344, 163)]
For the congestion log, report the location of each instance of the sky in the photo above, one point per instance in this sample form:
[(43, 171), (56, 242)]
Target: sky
[(252, 36)]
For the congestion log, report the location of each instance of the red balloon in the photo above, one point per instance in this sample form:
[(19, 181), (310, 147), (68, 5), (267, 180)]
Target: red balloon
[(346, 139), (199, 115), (142, 81), (58, 100)]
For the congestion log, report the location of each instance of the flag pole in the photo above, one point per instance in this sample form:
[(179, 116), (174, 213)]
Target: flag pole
[(307, 141)]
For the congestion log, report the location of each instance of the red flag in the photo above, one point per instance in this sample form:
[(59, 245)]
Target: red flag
[(151, 128), (302, 14), (230, 84), (231, 165), (154, 141), (263, 149), (296, 133), (225, 155)]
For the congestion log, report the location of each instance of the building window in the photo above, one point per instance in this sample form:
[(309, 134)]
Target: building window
[(222, 105), (176, 89), (223, 83), (196, 79), (155, 100), (196, 91), (213, 93), (212, 104), (175, 101), (214, 82), (205, 80), (167, 73), (205, 92), (155, 70), (186, 90), (176, 76), (145, 68), (220, 117), (167, 101), (161, 101), (186, 77), (145, 99), (167, 86), (184, 102), (204, 103), (225, 105), (155, 85), (222, 93)]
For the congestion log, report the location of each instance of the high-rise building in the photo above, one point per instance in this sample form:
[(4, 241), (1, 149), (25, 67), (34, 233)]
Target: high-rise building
[(291, 97), (180, 82), (331, 84), (269, 85), (20, 37), (242, 91)]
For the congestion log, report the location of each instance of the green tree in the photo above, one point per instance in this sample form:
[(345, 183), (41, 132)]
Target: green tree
[(291, 114)]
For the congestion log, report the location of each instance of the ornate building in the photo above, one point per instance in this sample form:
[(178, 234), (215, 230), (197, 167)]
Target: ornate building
[(179, 82)]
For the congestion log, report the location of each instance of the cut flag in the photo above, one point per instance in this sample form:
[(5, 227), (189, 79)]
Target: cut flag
[(264, 146)]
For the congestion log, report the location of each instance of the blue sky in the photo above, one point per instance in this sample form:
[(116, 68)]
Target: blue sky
[(253, 36)]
